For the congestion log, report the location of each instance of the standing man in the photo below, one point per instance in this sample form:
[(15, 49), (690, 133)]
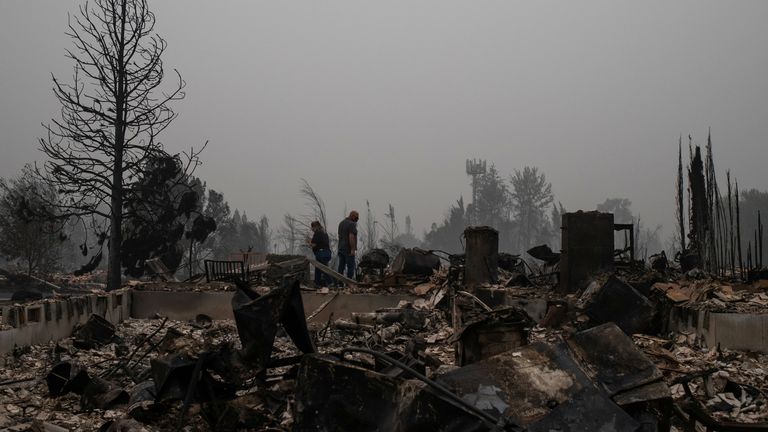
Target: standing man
[(348, 243)]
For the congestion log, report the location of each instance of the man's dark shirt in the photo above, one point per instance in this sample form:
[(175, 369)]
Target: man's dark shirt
[(346, 227), (320, 241)]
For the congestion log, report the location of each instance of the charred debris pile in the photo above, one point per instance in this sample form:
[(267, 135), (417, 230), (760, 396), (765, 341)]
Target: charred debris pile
[(582, 340)]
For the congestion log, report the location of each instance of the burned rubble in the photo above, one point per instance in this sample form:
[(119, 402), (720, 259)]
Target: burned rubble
[(483, 341)]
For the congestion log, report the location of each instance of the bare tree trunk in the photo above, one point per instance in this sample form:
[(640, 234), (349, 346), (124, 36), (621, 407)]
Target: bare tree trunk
[(115, 238), (721, 240), (116, 201), (680, 195), (756, 261), (738, 232), (760, 238), (731, 243), (191, 246), (698, 213), (115, 234)]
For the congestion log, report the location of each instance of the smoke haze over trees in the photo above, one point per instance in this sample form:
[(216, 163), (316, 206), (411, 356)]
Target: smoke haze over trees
[(29, 229), (518, 208), (750, 202), (541, 112), (435, 119)]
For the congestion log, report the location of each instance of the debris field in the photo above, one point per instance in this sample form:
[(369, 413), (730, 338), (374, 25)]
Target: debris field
[(501, 347)]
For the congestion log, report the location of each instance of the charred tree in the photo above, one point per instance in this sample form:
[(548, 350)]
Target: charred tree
[(680, 195), (698, 215), (111, 114), (738, 232), (760, 240), (161, 208), (731, 242), (717, 246)]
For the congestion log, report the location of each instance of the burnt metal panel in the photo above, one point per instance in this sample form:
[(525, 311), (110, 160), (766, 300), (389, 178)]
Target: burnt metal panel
[(551, 387), (257, 318), (335, 395), (587, 411), (525, 384), (620, 303), (650, 392), (611, 358)]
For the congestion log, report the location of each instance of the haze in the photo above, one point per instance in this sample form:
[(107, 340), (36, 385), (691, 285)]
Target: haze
[(384, 101)]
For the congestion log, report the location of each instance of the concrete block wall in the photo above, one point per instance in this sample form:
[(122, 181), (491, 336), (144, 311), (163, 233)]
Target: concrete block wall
[(736, 331), (44, 321), (41, 322), (218, 304)]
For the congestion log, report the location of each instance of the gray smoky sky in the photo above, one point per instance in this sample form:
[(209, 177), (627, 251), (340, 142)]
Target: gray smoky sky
[(383, 101)]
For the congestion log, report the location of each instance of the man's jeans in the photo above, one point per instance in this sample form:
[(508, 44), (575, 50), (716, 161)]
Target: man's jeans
[(322, 256), (347, 261)]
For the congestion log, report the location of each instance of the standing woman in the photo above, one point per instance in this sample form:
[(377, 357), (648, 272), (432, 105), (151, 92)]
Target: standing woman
[(322, 248)]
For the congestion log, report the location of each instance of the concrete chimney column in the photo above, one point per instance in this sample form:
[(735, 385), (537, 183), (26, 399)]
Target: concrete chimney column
[(482, 256)]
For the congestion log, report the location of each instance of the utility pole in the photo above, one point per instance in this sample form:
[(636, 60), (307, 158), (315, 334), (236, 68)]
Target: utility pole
[(475, 168)]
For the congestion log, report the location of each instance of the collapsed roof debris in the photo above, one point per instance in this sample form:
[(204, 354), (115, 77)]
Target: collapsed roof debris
[(433, 343)]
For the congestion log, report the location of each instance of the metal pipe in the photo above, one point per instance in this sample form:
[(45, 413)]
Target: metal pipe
[(477, 300)]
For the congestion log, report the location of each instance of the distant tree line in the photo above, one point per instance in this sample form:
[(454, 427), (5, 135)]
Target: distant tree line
[(521, 207), (173, 216)]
